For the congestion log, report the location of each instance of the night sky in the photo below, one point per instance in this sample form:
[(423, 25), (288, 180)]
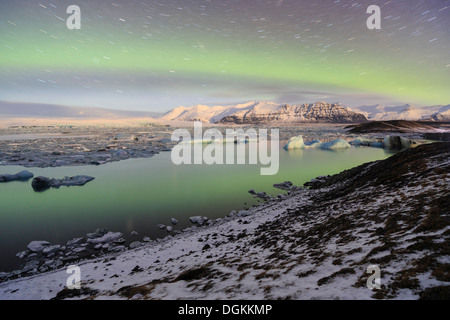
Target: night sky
[(157, 55)]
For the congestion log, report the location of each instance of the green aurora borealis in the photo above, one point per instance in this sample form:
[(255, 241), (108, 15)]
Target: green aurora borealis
[(151, 55)]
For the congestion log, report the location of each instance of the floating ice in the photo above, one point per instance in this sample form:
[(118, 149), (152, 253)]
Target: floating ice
[(335, 144), (295, 143)]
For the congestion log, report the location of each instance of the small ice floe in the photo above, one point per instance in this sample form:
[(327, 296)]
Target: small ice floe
[(21, 176), (361, 141), (40, 184)]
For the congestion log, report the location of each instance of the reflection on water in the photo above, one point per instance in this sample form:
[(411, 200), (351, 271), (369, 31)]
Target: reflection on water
[(138, 194)]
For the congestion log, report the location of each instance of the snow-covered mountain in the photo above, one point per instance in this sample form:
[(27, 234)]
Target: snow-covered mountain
[(318, 112), (257, 112), (205, 113), (406, 112)]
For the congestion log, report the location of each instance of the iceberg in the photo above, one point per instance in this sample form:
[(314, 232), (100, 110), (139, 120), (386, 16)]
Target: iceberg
[(295, 143), (376, 144), (313, 144), (335, 144), (360, 141), (396, 142)]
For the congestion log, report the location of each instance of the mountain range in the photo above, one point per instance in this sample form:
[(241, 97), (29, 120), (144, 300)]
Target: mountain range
[(254, 112), (257, 112), (406, 112), (260, 112)]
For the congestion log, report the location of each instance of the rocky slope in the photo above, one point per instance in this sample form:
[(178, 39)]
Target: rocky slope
[(398, 126), (267, 113), (312, 243), (437, 131)]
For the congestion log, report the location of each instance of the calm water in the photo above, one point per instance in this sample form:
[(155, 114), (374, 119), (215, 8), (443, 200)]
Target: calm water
[(141, 193)]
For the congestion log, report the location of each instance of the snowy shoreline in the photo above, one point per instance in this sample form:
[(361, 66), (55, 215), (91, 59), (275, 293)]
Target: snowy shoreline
[(314, 244), (170, 248)]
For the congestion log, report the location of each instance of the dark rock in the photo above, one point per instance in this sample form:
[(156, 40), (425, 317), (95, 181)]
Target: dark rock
[(40, 184), (67, 293), (287, 185), (137, 269)]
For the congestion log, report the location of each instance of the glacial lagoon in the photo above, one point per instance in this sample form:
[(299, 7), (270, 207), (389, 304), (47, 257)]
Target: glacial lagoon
[(138, 194)]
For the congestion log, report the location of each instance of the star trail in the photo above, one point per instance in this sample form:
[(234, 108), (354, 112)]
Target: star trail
[(156, 55)]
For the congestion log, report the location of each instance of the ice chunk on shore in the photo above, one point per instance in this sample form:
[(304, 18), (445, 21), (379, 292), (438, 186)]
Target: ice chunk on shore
[(295, 143), (335, 144), (198, 220), (244, 213), (37, 246), (109, 237), (51, 249), (135, 244)]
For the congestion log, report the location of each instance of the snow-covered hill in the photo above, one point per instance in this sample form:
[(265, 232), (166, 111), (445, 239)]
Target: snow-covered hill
[(406, 112)]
